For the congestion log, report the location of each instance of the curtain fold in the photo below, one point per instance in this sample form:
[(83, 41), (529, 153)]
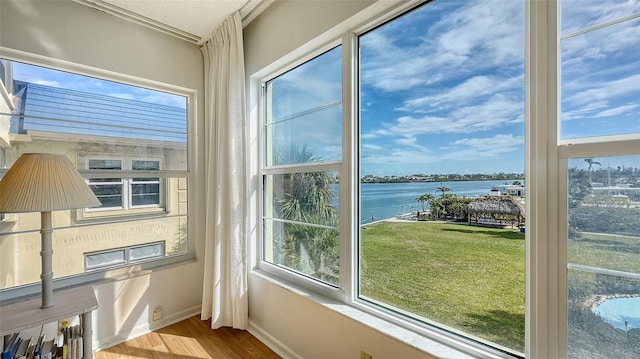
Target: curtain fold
[(224, 298)]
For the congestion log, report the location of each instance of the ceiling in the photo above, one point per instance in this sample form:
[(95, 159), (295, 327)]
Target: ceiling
[(190, 20)]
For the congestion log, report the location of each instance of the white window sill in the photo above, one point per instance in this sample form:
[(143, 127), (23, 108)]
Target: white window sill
[(427, 344)]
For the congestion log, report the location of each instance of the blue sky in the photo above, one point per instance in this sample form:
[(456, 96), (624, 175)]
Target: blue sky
[(442, 88)]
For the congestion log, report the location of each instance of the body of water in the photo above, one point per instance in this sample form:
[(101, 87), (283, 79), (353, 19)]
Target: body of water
[(622, 313), (387, 200)]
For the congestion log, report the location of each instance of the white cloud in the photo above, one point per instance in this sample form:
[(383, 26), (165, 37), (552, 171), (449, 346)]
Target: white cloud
[(500, 140), (497, 111), (477, 35), (586, 93), (580, 14), (482, 148), (618, 110), (471, 89)]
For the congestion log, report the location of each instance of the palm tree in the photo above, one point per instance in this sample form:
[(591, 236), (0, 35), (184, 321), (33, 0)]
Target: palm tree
[(307, 198), (443, 189), (428, 197), (591, 162)]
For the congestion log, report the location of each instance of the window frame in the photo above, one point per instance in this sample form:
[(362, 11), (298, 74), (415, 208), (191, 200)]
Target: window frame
[(139, 268), (312, 284), (347, 290), (127, 256), (126, 182), (545, 182)]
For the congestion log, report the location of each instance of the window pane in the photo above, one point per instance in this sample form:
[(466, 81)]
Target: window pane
[(441, 168), (301, 220), (600, 73), (307, 249), (303, 197), (108, 195), (105, 165), (105, 259), (145, 194), (145, 165), (146, 252), (604, 257), (304, 112), (100, 126)]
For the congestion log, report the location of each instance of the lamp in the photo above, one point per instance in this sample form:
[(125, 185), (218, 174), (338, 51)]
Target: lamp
[(44, 182)]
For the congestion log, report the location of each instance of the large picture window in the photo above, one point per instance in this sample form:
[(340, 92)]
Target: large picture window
[(487, 177), (130, 143), (442, 168)]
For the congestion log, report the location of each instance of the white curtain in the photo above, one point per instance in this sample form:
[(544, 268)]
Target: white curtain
[(225, 258)]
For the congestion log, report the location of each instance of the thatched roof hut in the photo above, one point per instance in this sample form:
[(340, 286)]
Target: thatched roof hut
[(495, 210)]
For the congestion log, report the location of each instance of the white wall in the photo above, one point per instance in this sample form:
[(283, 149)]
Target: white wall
[(71, 32), (291, 322)]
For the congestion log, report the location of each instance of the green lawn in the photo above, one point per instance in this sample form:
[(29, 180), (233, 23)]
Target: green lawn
[(472, 279), (465, 277), (606, 251)]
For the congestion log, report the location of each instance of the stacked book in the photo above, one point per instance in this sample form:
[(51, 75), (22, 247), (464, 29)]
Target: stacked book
[(26, 346)]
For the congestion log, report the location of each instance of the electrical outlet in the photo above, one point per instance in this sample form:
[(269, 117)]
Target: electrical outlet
[(364, 355), (157, 314)]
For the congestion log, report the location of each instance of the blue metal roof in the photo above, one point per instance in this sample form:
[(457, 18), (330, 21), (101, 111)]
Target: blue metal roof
[(52, 109)]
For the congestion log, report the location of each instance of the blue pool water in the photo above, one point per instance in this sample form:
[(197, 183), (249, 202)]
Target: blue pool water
[(622, 313)]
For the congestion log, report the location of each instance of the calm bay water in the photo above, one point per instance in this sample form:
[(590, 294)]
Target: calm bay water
[(386, 200)]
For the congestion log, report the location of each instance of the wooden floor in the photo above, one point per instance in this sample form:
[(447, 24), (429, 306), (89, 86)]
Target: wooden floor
[(191, 338)]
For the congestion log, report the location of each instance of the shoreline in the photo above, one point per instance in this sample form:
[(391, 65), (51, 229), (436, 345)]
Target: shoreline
[(596, 299)]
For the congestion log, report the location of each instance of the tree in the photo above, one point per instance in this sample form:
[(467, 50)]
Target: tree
[(307, 199), (428, 197), (591, 162), (579, 186), (443, 189)]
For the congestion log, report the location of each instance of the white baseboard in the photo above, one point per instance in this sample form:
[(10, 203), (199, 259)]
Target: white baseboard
[(277, 346), (145, 328)]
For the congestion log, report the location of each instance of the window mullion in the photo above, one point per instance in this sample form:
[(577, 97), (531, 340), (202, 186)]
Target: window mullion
[(349, 172), (544, 292)]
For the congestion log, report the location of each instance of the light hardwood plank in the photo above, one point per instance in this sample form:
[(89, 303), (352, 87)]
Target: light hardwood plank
[(191, 338)]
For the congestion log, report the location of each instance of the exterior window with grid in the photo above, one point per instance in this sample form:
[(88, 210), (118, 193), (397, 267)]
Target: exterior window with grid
[(123, 192)]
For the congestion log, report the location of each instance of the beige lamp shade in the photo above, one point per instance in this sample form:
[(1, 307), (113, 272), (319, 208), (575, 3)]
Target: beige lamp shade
[(39, 182)]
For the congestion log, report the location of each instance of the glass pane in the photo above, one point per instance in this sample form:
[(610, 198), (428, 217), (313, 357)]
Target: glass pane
[(603, 316), (108, 118), (146, 252), (442, 168), (145, 194), (600, 74), (101, 126), (604, 257), (304, 112), (108, 195), (105, 165), (579, 14), (145, 165), (306, 249), (302, 197), (105, 259)]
